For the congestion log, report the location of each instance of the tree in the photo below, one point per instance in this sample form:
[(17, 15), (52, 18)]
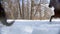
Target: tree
[(27, 9), (22, 9), (32, 8), (19, 12)]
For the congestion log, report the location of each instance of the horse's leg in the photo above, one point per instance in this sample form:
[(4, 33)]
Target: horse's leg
[(51, 18)]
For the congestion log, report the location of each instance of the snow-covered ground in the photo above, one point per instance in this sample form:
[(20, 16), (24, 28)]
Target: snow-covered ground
[(32, 27)]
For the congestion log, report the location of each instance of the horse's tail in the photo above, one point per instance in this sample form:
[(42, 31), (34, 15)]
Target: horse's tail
[(4, 22)]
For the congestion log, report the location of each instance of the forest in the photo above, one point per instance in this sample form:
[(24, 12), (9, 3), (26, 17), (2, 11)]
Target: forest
[(27, 9)]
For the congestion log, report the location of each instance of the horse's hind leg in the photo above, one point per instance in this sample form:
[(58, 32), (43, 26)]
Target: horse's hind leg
[(51, 18)]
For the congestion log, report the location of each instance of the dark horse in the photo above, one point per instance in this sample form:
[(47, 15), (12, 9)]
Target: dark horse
[(56, 5), (3, 18)]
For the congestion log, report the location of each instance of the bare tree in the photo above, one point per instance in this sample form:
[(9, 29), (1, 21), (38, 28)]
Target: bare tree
[(32, 8), (10, 8), (38, 10), (19, 12), (22, 9), (27, 9)]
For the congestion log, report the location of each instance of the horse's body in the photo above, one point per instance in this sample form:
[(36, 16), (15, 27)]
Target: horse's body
[(3, 18), (56, 5)]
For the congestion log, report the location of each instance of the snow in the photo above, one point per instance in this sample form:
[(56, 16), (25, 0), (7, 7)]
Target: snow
[(32, 27)]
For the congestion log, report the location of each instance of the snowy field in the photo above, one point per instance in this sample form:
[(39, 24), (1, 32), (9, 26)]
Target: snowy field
[(32, 27)]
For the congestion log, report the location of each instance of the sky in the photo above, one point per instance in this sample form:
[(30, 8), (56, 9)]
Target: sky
[(25, 0)]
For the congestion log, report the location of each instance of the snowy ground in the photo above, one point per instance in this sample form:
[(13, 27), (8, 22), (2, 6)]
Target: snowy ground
[(32, 27)]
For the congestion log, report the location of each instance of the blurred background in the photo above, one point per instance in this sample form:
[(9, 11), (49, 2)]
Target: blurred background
[(35, 15), (27, 9)]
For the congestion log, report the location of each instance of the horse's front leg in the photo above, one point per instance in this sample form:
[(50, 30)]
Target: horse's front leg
[(51, 18)]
